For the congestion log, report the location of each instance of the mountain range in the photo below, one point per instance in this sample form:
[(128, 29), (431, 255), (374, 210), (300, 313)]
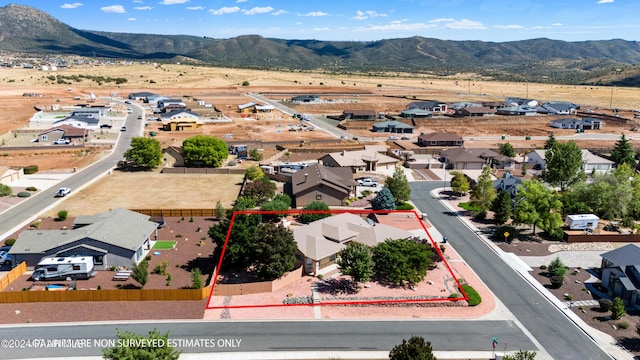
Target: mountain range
[(27, 30)]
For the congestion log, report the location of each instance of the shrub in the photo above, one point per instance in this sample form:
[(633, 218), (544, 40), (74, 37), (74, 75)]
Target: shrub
[(62, 215), (511, 234), (196, 279), (10, 242), (617, 310), (320, 276), (178, 235), (245, 83), (569, 297), (404, 206), (23, 194), (32, 188), (556, 281), (161, 269), (623, 325), (474, 297), (543, 267), (148, 257), (605, 305), (557, 267), (482, 215), (36, 224), (5, 190), (31, 169)]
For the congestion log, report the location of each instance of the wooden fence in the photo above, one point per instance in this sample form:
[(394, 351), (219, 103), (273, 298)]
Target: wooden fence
[(186, 170), (15, 273), (104, 295), (257, 287), (614, 238), (177, 212)]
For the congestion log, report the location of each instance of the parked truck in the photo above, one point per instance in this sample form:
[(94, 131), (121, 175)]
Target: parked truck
[(60, 268)]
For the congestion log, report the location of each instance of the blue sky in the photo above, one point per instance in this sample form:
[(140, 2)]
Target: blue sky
[(486, 20)]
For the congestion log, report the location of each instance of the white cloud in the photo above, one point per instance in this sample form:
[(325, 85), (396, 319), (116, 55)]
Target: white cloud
[(439, 20), (509, 27), (225, 10), (71, 6), (321, 29), (316, 13), (398, 26), (605, 1), (131, 19), (143, 7), (556, 24), (118, 9), (173, 2), (241, 1), (195, 7), (258, 10), (360, 16), (279, 12), (465, 24)]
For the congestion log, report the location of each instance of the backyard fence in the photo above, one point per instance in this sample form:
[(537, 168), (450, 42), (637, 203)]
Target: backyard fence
[(15, 273), (177, 212), (257, 287)]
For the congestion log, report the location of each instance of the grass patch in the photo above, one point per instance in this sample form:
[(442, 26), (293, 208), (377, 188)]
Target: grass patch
[(164, 245), (474, 297), (469, 206)]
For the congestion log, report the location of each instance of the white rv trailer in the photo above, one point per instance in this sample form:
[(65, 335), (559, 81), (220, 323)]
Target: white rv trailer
[(60, 268)]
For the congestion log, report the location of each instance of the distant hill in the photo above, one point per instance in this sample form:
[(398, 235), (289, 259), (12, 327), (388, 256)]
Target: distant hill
[(616, 62)]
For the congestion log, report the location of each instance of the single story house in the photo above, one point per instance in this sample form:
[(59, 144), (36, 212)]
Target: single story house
[(572, 123), (305, 99), (475, 159), (560, 108), (320, 241), (247, 107), (94, 111), (462, 105), (80, 121), (173, 156), (143, 96), (621, 273), (181, 120), (163, 103), (10, 174), (359, 114), (118, 237), (173, 107), (63, 132), (590, 161), (331, 185), (430, 105), (360, 160), (508, 183), (440, 139), (416, 114), (392, 126), (474, 111), (525, 110)]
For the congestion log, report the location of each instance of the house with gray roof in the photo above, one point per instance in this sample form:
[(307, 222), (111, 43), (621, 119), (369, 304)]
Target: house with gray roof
[(508, 183), (80, 121), (331, 185), (560, 108), (590, 161), (474, 111), (429, 105), (320, 241), (440, 139), (519, 110), (305, 99), (144, 96), (359, 115), (416, 114), (573, 123), (392, 126), (117, 237), (621, 273)]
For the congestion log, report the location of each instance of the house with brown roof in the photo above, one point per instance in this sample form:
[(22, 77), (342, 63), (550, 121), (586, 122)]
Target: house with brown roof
[(63, 132), (475, 159), (359, 115), (474, 111), (440, 139), (320, 242), (173, 156), (333, 186), (360, 160)]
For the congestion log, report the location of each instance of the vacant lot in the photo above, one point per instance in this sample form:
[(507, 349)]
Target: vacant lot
[(151, 190)]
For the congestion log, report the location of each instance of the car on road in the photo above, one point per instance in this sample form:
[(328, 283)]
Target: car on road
[(405, 138), (62, 142), (6, 258), (393, 138), (63, 191), (105, 126), (124, 128)]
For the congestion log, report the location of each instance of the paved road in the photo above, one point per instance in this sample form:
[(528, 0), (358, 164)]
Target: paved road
[(549, 326), (290, 336), (27, 210)]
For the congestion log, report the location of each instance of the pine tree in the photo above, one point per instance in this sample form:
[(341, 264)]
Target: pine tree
[(484, 193), (622, 152), (550, 142), (502, 207)]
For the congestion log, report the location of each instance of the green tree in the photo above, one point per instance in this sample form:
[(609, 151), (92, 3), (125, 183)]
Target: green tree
[(384, 200), (398, 185), (524, 168), (253, 173), (260, 190), (356, 261), (144, 153), (196, 279), (220, 212), (617, 310), (521, 355), (153, 346), (550, 142), (140, 272), (557, 267), (611, 196), (255, 154), (564, 162), (284, 198), (501, 206), (239, 249), (414, 349), (622, 152), (507, 149), (62, 215), (483, 194), (402, 260), (204, 151), (459, 183), (275, 251), (276, 209), (5, 190), (537, 206), (314, 211)]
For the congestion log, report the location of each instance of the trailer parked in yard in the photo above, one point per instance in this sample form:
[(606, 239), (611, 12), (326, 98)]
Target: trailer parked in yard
[(582, 221), (60, 268)]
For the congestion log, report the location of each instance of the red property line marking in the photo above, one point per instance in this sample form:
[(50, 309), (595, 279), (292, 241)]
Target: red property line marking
[(335, 303)]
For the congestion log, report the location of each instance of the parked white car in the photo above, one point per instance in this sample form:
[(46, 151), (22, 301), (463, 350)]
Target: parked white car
[(62, 142), (6, 258), (63, 191)]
